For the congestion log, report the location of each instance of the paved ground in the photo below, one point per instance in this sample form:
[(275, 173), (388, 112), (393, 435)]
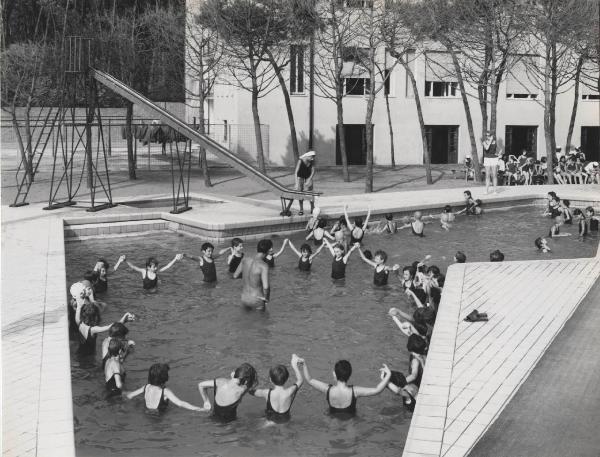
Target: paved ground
[(556, 412)]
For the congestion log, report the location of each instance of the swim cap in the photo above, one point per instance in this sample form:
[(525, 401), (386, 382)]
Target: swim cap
[(77, 289)]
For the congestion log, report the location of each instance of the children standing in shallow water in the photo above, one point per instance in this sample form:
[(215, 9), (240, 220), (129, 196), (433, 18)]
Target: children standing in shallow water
[(207, 261), (157, 395), (150, 273), (417, 226), (357, 228), (382, 271), (305, 255), (236, 254), (338, 265)]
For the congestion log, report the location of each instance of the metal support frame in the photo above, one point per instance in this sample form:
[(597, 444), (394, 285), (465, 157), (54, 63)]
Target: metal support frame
[(181, 198), (286, 204)]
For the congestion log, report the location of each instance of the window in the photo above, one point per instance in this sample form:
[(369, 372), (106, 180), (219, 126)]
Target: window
[(357, 86), (355, 3), (440, 89), (440, 80), (354, 72), (590, 97), (225, 128), (520, 81), (297, 69)]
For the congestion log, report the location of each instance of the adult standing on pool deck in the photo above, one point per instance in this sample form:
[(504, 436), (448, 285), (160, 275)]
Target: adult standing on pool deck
[(490, 162), (305, 171), (255, 274)]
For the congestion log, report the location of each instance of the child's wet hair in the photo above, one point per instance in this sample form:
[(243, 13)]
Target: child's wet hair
[(368, 254), (538, 242), (416, 344), (447, 209), (467, 193), (552, 194), (264, 245), (236, 242), (279, 374), (342, 370), (322, 223), (342, 220), (90, 315), (114, 347), (118, 330), (556, 199), (496, 256), (435, 270), (158, 374), (410, 269), (460, 257), (381, 254), (478, 202), (103, 262), (151, 261), (566, 202), (389, 217), (246, 375), (417, 215), (577, 212), (206, 246), (421, 328), (590, 210), (306, 247), (358, 222), (339, 246)]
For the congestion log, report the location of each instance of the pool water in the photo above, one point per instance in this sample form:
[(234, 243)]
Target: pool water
[(203, 333)]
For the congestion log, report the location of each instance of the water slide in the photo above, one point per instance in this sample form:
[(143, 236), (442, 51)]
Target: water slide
[(287, 195)]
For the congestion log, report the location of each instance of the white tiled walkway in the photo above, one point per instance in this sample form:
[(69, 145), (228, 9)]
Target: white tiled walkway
[(474, 369)]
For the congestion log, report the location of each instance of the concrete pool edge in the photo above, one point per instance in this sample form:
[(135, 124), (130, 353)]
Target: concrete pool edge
[(30, 431)]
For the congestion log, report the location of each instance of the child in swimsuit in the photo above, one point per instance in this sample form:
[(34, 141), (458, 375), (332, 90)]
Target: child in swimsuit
[(555, 229), (305, 255), (357, 228), (542, 244), (470, 204), (319, 233), (101, 270), (399, 384), (338, 265), (340, 232), (382, 271), (117, 332), (496, 256), (207, 261), (313, 220), (280, 399), (114, 373), (388, 225), (582, 224), (228, 393), (341, 397), (446, 217), (592, 219), (236, 254), (566, 211), (460, 257), (411, 287), (149, 274), (271, 255), (156, 395), (417, 225)]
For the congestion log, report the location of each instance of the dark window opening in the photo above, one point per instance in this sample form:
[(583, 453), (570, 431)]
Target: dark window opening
[(297, 69)]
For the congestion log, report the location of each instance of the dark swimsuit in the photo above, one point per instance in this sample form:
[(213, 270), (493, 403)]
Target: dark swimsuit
[(162, 403), (304, 265), (359, 239), (380, 278), (567, 216), (416, 233), (338, 269), (209, 271), (87, 344), (111, 384), (149, 283), (270, 262), (235, 262), (273, 415), (100, 286), (348, 410), (593, 225), (225, 413)]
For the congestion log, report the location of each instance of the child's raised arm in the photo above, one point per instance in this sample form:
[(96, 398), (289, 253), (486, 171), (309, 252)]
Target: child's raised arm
[(319, 385), (121, 260), (222, 251), (201, 387), (329, 246), (348, 223), (366, 224), (347, 256), (310, 235), (172, 262), (362, 256), (296, 363), (131, 265), (135, 393), (370, 391), (293, 248), (278, 253), (192, 257), (319, 249)]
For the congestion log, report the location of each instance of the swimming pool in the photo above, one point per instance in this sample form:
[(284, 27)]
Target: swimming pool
[(202, 332)]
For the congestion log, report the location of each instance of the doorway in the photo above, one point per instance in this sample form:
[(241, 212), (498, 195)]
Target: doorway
[(590, 143), (356, 144), (442, 142), (519, 137)]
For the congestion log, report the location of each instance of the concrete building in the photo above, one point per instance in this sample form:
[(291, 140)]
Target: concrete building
[(520, 114)]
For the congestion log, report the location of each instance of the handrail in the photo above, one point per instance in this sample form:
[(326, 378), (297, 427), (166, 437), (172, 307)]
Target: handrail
[(167, 118)]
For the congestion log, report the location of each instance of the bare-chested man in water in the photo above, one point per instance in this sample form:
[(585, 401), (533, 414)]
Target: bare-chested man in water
[(255, 274)]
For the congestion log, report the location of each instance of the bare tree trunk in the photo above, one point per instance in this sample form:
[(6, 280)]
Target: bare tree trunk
[(341, 136), (22, 149), (575, 104), (257, 133), (202, 131), (129, 135), (426, 155), (465, 101), (389, 116), (548, 118), (288, 105), (369, 124)]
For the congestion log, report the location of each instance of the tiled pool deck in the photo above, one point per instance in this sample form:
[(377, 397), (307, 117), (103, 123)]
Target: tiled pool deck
[(472, 372)]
